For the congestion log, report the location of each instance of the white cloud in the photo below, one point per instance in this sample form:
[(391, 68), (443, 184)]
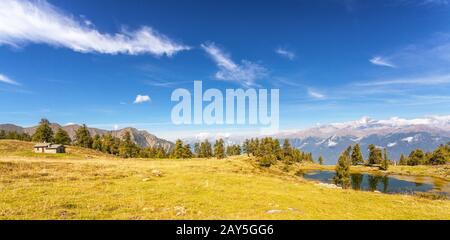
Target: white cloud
[(246, 73), (435, 2), (41, 23), (5, 79), (142, 99), (380, 61), (425, 80), (315, 94), (285, 53)]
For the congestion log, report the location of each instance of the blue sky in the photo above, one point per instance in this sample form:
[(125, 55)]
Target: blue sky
[(87, 61)]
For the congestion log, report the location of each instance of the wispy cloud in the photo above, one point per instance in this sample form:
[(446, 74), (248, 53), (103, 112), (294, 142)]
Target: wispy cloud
[(5, 79), (39, 22), (142, 99), (285, 53), (245, 73), (425, 80), (315, 94), (380, 61), (434, 2)]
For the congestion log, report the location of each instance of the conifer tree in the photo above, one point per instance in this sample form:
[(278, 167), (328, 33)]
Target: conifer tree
[(385, 162), (320, 160), (416, 157), (62, 137), (357, 157), (2, 134), (197, 149), (342, 177), (219, 150), (403, 160), (206, 149), (375, 155), (178, 150), (127, 148), (246, 147), (287, 149), (43, 133), (187, 153), (97, 143), (83, 137)]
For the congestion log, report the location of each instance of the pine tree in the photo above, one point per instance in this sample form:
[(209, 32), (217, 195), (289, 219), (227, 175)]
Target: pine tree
[(62, 137), (107, 143), (416, 157), (375, 155), (127, 148), (342, 177), (403, 160), (246, 147), (357, 157), (206, 149), (2, 134), (385, 162), (83, 137), (219, 151), (187, 153), (43, 133), (97, 143), (178, 150), (287, 149), (320, 160), (197, 149), (440, 156)]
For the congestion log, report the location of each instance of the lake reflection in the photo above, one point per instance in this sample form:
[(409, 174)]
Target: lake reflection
[(385, 184)]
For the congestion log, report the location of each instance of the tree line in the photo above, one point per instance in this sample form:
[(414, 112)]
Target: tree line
[(379, 157), (268, 151)]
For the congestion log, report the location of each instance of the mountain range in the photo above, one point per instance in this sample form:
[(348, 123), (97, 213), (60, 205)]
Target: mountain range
[(140, 137), (397, 135)]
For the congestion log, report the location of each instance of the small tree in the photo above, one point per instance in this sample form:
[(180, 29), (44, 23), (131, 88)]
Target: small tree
[(375, 155), (320, 160), (127, 148), (385, 162), (83, 137), (206, 149), (187, 153), (178, 150), (357, 157), (416, 157), (440, 156), (62, 137), (403, 160), (342, 177), (44, 132), (97, 143), (197, 149), (219, 149), (2, 134)]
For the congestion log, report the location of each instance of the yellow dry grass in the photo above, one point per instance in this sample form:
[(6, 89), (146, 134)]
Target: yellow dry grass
[(102, 187)]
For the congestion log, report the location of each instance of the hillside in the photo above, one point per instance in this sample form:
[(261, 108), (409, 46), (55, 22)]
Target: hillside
[(100, 187), (140, 137)]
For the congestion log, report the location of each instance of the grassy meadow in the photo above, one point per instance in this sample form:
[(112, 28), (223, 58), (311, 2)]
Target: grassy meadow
[(85, 184)]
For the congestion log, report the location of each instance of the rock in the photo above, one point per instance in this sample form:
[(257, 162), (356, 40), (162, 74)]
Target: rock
[(156, 173), (272, 211), (180, 210), (328, 185)]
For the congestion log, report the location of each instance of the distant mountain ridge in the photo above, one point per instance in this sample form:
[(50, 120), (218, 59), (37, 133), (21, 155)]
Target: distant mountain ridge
[(398, 135), (140, 137)]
